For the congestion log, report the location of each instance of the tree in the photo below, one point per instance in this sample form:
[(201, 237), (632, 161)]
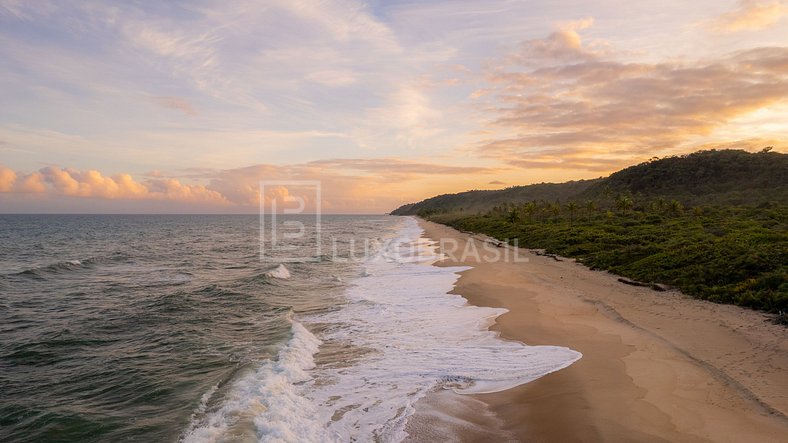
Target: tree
[(571, 207), (545, 210), (590, 208), (529, 209), (624, 203), (675, 207), (555, 209)]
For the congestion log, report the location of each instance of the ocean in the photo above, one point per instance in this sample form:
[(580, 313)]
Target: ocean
[(176, 328)]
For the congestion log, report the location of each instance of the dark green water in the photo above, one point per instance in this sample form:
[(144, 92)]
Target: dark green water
[(121, 327)]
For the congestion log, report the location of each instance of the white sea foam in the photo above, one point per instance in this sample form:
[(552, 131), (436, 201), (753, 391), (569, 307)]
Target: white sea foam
[(280, 272), (266, 405), (416, 339), (421, 339)]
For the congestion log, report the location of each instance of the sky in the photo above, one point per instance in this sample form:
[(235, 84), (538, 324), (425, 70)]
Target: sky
[(186, 106)]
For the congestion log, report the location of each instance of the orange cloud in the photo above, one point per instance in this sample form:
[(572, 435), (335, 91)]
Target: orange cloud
[(346, 185), (750, 15), (70, 182), (564, 44), (562, 105), (7, 179)]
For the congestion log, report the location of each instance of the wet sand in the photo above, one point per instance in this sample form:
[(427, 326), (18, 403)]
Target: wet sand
[(656, 366)]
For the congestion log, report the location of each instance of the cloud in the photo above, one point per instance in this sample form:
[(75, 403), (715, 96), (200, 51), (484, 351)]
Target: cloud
[(563, 44), (309, 66), (340, 192), (175, 103), (31, 183), (313, 86), (7, 179), (347, 185), (750, 15), (496, 182), (406, 116), (560, 104), (59, 181), (386, 166), (749, 144)]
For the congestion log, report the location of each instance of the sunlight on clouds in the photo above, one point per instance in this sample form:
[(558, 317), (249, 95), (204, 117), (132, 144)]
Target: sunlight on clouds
[(767, 126), (71, 182), (567, 106), (348, 185), (750, 15), (7, 179), (385, 102)]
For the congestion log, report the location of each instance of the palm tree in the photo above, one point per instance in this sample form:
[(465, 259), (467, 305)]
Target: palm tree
[(529, 209), (545, 210), (675, 207), (624, 203), (590, 208), (571, 207), (556, 209)]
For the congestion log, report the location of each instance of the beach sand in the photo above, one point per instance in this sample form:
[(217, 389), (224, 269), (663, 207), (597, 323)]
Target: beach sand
[(656, 366)]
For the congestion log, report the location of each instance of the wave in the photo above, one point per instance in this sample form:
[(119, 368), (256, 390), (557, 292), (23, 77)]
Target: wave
[(423, 339), (280, 272), (67, 265), (267, 404), (394, 337), (54, 268)]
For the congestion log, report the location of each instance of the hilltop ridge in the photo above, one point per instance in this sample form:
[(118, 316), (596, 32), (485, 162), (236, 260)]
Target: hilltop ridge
[(732, 177)]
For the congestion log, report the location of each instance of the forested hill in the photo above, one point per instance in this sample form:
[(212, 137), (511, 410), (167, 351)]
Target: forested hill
[(475, 201), (727, 177)]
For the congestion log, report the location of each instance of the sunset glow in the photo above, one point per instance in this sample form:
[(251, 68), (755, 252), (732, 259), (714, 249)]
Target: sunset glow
[(186, 106)]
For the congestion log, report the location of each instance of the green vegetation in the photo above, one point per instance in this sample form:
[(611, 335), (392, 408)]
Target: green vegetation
[(726, 177), (696, 222)]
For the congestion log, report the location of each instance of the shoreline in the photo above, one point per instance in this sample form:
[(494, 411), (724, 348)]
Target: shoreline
[(656, 366)]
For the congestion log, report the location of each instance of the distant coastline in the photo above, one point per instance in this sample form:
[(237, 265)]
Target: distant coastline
[(713, 224)]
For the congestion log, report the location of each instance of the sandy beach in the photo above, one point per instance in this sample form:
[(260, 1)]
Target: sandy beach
[(656, 366)]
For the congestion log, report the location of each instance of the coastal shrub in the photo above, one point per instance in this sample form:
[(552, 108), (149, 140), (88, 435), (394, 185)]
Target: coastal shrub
[(724, 254)]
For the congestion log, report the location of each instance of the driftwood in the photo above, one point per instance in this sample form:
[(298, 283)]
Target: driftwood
[(654, 286), (542, 253)]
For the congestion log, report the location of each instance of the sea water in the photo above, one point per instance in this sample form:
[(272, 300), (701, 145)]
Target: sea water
[(168, 328)]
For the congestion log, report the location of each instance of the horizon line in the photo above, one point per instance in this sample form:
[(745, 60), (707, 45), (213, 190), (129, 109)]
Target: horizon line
[(188, 213)]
